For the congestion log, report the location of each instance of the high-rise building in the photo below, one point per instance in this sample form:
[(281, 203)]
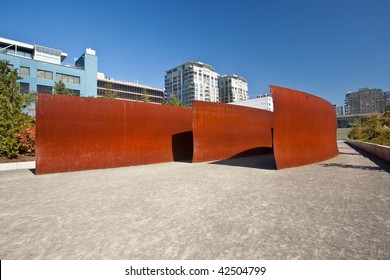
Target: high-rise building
[(40, 67), (192, 81), (232, 88), (340, 110), (365, 101), (387, 98)]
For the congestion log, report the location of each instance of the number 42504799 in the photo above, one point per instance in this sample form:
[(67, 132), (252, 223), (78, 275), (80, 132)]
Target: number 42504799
[(250, 270)]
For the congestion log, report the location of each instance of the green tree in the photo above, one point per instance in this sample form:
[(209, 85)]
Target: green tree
[(13, 113), (173, 101), (60, 88), (109, 93), (145, 97)]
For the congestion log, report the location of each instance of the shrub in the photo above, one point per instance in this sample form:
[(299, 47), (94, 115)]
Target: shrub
[(374, 129), (27, 141)]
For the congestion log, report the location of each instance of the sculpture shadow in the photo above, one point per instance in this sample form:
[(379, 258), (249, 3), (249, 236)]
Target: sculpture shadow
[(259, 158), (183, 146)]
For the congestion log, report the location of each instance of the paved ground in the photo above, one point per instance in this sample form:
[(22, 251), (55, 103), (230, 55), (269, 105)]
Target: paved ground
[(236, 209)]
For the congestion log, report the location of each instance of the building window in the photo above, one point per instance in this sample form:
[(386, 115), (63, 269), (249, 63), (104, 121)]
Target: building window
[(44, 89), (68, 78), (45, 74), (76, 92), (24, 87), (24, 71), (10, 67)]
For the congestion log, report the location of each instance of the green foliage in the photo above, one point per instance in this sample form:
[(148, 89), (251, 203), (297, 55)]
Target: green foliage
[(13, 111), (374, 129), (173, 101), (108, 93), (145, 97), (60, 88)]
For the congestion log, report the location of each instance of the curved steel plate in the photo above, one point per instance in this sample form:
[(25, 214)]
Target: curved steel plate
[(305, 128), (222, 131), (76, 133)]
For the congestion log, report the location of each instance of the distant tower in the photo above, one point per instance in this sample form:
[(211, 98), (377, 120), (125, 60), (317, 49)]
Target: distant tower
[(365, 101), (192, 81), (232, 88)]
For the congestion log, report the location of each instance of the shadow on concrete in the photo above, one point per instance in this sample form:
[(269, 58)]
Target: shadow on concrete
[(33, 171), (352, 154), (260, 158), (384, 165), (362, 167), (381, 164), (183, 146)]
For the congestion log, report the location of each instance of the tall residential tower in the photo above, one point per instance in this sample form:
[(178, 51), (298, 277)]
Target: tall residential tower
[(232, 88), (365, 101), (192, 81)]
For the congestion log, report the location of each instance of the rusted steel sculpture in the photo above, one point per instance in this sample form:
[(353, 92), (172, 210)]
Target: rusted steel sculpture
[(223, 131), (305, 128), (76, 133)]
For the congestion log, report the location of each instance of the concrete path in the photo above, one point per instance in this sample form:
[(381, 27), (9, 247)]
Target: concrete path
[(235, 209)]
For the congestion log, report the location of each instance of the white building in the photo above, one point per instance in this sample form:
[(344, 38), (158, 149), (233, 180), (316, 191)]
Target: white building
[(261, 102), (340, 110), (232, 88), (192, 81)]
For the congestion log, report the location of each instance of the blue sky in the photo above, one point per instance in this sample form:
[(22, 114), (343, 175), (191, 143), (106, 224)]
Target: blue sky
[(324, 47)]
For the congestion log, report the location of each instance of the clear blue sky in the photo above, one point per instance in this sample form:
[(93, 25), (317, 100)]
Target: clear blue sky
[(325, 47)]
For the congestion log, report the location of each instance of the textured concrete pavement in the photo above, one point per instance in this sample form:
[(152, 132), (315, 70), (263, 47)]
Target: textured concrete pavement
[(235, 209)]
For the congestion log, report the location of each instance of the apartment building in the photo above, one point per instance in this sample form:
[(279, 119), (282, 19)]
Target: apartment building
[(232, 88), (40, 67), (192, 81), (340, 110), (365, 101)]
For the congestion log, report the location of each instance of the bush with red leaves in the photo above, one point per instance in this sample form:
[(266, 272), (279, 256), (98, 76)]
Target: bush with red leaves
[(27, 140)]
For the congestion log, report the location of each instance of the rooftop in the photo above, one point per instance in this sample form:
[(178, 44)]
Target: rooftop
[(16, 48)]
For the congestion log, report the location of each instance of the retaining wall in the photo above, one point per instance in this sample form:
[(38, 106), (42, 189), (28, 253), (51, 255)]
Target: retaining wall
[(380, 151)]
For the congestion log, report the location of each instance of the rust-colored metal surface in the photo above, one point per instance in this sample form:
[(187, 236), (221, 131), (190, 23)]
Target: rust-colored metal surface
[(223, 131), (76, 133), (305, 128)]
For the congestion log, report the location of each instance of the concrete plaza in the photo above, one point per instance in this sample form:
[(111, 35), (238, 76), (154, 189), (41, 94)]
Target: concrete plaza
[(233, 209)]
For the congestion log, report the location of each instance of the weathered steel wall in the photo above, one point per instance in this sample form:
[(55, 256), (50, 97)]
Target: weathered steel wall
[(305, 128), (76, 133), (222, 131)]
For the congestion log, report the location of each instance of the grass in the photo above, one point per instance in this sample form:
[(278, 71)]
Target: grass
[(342, 133)]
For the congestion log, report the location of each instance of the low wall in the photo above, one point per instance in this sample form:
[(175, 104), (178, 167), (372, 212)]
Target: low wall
[(380, 151)]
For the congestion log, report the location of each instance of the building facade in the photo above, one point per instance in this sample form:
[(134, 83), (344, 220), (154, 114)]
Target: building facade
[(128, 91), (264, 102), (192, 81), (232, 88), (40, 67), (365, 101), (340, 110)]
